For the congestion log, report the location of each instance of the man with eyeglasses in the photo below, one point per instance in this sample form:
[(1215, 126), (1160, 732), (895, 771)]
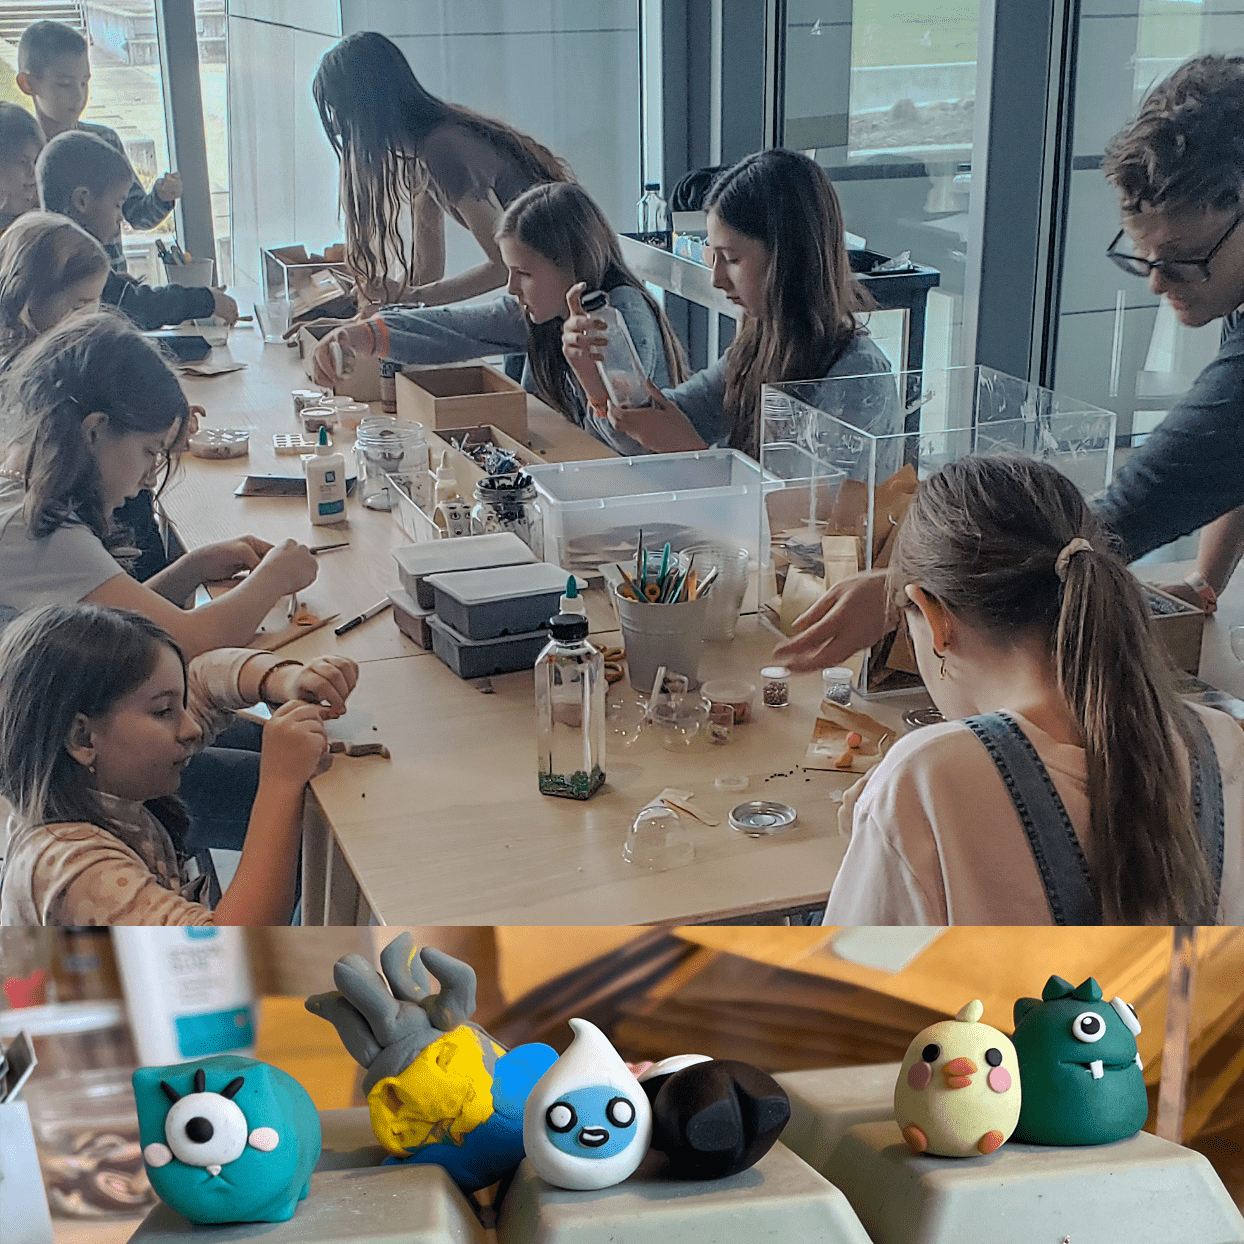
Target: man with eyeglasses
[(1179, 170)]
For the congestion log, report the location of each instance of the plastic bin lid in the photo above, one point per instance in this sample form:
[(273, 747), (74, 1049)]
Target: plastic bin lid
[(486, 587), (461, 641), (497, 548), (404, 601), (56, 1019)]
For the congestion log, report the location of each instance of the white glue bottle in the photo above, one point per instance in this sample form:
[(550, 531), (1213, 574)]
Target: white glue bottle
[(326, 483), (446, 481), (188, 991)]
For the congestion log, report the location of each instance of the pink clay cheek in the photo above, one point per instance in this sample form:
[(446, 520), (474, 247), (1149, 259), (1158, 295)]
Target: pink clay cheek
[(919, 1076), (999, 1079)]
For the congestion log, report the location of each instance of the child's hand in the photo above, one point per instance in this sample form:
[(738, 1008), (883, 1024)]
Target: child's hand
[(295, 744), (215, 562), (334, 356), (661, 427), (168, 188), (290, 566), (224, 306), (583, 336), (327, 680)]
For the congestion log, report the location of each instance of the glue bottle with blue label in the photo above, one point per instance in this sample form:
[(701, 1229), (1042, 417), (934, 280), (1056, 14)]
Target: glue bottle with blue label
[(326, 483)]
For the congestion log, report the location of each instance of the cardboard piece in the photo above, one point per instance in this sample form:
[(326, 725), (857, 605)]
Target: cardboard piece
[(833, 725), (457, 397)]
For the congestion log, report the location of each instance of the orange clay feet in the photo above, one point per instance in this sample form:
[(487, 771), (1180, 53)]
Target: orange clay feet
[(918, 1142), (990, 1141)]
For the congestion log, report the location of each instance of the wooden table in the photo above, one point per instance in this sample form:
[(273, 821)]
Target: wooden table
[(452, 830)]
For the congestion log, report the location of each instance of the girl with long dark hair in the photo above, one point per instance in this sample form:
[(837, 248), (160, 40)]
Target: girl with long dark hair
[(778, 251), (409, 159), (1070, 784), (556, 242)]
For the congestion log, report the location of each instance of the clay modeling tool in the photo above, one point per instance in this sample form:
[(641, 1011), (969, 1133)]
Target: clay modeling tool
[(652, 593), (706, 583), (665, 565), (293, 606), (630, 584), (328, 548), (641, 565), (371, 612), (359, 749)]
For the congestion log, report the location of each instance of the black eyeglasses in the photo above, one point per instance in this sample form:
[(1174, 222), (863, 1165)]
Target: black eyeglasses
[(1180, 270)]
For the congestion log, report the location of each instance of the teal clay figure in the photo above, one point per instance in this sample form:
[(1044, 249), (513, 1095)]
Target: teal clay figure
[(227, 1139), (1083, 1080)]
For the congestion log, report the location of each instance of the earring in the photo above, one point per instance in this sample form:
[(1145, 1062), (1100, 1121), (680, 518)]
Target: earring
[(91, 768), (941, 672)]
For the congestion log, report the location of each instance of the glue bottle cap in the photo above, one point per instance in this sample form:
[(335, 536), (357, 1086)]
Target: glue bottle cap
[(323, 445), (571, 601)]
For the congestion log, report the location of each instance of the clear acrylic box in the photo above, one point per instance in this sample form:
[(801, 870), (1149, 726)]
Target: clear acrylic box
[(841, 480)]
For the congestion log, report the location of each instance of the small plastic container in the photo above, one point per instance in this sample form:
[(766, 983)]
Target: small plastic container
[(775, 688), (679, 720), (220, 443), (657, 840), (836, 681), (350, 415), (480, 658), (720, 723), (736, 692), (303, 398), (313, 418), (417, 562), (411, 618), (507, 600)]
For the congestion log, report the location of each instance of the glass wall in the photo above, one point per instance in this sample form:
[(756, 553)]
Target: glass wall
[(1117, 346), (881, 93), (210, 26)]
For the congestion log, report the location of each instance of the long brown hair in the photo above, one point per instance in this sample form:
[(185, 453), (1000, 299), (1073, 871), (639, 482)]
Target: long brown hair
[(561, 222), (377, 116), (90, 363), (55, 663), (42, 254), (982, 536), (786, 201)]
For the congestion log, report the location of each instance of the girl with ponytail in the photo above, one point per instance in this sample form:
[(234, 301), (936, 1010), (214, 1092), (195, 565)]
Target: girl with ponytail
[(1069, 783)]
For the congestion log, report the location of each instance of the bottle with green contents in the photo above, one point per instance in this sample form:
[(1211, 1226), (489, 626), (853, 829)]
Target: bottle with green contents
[(570, 711)]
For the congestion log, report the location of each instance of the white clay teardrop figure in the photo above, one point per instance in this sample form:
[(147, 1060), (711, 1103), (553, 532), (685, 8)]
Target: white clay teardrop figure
[(588, 1122)]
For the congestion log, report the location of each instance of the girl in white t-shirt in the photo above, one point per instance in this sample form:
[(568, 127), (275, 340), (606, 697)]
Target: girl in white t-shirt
[(1070, 783), (96, 417)]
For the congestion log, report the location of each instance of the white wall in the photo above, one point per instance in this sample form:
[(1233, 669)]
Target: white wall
[(564, 71)]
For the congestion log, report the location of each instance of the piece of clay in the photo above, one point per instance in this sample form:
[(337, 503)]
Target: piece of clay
[(440, 1090), (341, 748), (226, 1138), (958, 1090), (713, 1117), (587, 1123), (1084, 1083), (845, 760), (855, 740)]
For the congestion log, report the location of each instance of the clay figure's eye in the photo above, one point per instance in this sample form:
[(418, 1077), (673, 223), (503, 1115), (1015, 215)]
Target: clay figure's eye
[(1088, 1026), (1127, 1013), (931, 1052), (993, 1057), (620, 1112), (206, 1129), (560, 1116)]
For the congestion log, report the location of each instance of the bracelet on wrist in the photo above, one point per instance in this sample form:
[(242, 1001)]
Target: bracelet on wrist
[(1203, 588), (263, 681)]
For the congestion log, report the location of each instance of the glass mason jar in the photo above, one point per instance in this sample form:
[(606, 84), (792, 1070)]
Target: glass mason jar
[(499, 506), (385, 447)]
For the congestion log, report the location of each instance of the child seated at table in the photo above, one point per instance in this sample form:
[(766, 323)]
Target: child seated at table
[(21, 140), (98, 416), (556, 243), (83, 178), (1070, 784), (54, 70), (777, 248), (99, 715)]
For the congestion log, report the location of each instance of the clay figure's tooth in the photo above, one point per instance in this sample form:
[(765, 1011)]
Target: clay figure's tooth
[(213, 1170), (1096, 1068), (1138, 1062)]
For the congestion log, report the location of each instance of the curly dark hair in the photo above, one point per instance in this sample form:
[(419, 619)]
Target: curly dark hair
[(1185, 149)]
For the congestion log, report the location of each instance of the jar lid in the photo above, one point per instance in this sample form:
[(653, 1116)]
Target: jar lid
[(730, 781), (837, 673), (762, 816), (729, 690), (775, 671), (59, 1018)]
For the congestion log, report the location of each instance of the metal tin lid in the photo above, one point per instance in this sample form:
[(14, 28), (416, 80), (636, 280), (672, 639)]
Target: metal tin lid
[(762, 816), (914, 718)]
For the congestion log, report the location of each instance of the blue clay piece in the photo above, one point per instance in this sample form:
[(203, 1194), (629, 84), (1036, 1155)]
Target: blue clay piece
[(1081, 1073), (495, 1148), (227, 1139)]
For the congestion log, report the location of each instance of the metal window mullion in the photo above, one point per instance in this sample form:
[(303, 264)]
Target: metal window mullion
[(178, 40)]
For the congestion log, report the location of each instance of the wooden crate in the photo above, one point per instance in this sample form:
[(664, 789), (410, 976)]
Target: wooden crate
[(1179, 625), (465, 470), (459, 397)]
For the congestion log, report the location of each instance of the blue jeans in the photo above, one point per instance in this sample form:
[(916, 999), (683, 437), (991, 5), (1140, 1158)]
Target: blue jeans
[(219, 786)]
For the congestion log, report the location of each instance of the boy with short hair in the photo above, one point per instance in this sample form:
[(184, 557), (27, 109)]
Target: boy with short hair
[(21, 140), (86, 179), (54, 69)]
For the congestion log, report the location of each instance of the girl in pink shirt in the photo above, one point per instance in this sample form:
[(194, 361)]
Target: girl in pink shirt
[(1069, 783)]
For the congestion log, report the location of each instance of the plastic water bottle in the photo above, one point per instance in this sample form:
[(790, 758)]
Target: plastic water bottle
[(570, 711), (651, 211), (621, 371)]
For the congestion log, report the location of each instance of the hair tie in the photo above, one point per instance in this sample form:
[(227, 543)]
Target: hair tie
[(1070, 549)]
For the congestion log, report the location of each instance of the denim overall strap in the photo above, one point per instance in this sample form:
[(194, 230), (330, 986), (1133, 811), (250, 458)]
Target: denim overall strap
[(1060, 860), (1207, 801)]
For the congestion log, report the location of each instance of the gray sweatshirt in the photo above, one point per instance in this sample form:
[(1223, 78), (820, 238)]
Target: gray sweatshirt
[(1190, 470), (455, 334)]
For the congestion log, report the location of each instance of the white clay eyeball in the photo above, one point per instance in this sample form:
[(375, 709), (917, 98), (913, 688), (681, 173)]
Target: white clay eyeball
[(1127, 1013), (157, 1155), (265, 1139), (206, 1129), (1088, 1027)]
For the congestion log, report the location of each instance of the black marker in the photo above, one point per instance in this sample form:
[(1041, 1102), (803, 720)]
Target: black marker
[(367, 614)]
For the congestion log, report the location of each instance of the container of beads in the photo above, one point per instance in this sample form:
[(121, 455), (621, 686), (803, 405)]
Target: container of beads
[(775, 686), (837, 684)]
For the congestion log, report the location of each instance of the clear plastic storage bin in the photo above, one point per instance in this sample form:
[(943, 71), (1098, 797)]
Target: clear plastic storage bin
[(842, 485), (593, 511)]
